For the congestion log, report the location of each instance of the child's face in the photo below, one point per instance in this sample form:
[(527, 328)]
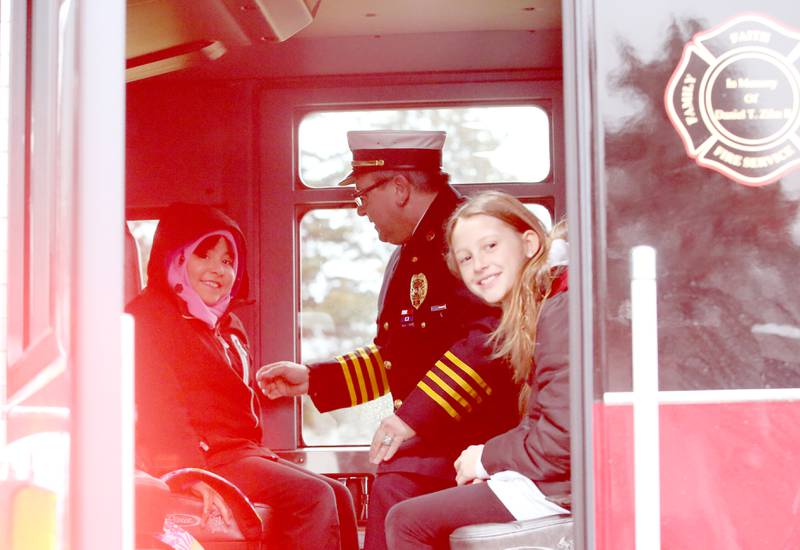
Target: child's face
[(490, 255), (211, 274)]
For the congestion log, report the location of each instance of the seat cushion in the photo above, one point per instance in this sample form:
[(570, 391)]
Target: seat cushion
[(550, 533)]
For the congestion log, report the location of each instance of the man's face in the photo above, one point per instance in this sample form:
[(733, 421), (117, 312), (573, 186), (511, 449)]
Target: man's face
[(380, 206)]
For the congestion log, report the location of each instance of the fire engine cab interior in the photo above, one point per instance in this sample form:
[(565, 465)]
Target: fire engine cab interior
[(217, 91)]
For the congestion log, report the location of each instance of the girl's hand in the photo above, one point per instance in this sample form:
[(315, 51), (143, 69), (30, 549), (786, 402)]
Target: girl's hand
[(466, 464)]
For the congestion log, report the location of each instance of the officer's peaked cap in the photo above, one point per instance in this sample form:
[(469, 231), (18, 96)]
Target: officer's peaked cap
[(394, 150)]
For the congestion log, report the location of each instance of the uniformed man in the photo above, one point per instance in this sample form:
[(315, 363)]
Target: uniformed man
[(431, 350)]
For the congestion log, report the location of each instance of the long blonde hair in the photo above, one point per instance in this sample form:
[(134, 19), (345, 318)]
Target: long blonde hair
[(515, 336)]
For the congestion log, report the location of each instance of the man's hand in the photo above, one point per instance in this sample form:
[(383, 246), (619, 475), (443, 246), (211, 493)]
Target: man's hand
[(212, 502), (388, 437), (466, 464), (283, 379)]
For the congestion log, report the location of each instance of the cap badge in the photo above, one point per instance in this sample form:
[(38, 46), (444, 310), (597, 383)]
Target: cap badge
[(363, 163), (419, 289)]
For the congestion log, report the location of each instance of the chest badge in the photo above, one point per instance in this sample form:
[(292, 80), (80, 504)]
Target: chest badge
[(419, 289)]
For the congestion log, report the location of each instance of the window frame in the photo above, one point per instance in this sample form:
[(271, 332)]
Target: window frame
[(279, 109), (39, 220), (547, 202), (545, 105), (340, 197)]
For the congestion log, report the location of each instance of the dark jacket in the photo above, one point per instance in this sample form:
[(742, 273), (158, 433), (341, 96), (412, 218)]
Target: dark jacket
[(430, 352), (539, 446), (193, 407)]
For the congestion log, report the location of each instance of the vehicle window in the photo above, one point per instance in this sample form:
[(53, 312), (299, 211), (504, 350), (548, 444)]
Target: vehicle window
[(541, 212), (485, 144), (143, 231), (341, 265)]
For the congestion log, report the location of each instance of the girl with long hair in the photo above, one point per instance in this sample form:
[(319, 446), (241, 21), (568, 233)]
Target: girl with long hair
[(505, 256)]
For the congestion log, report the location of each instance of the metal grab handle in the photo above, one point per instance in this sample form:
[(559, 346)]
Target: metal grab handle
[(644, 342)]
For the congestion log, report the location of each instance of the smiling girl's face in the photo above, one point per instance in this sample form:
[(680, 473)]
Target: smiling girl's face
[(211, 272), (490, 255)]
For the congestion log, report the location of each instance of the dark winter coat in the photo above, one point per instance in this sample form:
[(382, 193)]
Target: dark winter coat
[(194, 409)]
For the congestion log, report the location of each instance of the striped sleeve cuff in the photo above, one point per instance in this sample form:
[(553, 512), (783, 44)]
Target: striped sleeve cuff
[(454, 386), (364, 374)]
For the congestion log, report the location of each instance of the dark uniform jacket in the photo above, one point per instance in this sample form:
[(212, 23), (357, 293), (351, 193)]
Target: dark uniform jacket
[(430, 352), (194, 408), (538, 447)]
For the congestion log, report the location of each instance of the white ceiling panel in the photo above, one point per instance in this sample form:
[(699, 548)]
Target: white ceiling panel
[(384, 17)]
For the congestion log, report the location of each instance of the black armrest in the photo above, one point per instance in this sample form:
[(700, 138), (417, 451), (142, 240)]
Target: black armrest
[(247, 518)]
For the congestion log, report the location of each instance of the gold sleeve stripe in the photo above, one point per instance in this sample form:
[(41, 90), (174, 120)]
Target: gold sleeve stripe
[(360, 376), (377, 355), (470, 371), (348, 380), (450, 391), (458, 380), (373, 382), (436, 397)]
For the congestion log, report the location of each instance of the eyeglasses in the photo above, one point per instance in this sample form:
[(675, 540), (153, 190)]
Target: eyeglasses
[(358, 196)]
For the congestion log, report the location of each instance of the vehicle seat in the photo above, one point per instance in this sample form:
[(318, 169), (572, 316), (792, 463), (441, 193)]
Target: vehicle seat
[(550, 533)]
